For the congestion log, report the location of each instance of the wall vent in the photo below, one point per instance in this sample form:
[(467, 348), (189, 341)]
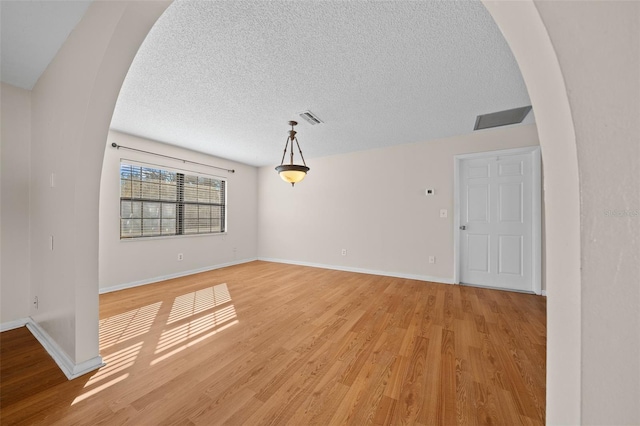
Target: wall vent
[(501, 118), (311, 118)]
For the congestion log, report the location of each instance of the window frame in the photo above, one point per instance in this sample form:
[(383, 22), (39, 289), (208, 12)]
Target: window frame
[(183, 225)]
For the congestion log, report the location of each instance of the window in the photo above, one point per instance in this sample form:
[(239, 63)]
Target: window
[(156, 202)]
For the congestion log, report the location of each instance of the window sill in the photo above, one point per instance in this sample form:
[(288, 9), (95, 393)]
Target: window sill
[(171, 237)]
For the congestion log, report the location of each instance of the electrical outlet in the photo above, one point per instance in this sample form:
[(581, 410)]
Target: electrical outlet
[(432, 259), (443, 213), (344, 252), (180, 256), (35, 302)]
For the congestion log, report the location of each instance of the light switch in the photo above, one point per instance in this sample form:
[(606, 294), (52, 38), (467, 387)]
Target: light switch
[(443, 213)]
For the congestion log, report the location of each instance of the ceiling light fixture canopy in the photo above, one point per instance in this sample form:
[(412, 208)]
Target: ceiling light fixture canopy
[(292, 173)]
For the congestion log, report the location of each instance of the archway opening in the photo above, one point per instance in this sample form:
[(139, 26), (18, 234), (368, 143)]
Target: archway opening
[(112, 41)]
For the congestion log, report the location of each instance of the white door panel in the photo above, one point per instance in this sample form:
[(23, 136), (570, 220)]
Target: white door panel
[(478, 203), (510, 202), (478, 245), (496, 211), (510, 255)]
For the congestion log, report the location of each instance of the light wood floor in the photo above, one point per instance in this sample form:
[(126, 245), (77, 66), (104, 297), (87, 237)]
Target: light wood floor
[(265, 343)]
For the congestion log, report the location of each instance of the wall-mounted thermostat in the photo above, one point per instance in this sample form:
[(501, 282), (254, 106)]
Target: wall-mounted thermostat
[(429, 191)]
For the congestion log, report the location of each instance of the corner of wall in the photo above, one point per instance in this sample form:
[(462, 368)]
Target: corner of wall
[(66, 364)]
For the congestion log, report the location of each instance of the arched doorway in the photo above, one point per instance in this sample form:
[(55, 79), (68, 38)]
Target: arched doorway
[(527, 36), (72, 108)]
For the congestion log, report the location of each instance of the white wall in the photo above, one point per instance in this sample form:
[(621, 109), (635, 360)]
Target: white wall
[(373, 204), (14, 207), (72, 104), (128, 262), (598, 47)]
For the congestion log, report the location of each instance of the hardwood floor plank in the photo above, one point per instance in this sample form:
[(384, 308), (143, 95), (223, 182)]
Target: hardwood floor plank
[(267, 343), (488, 411), (409, 403), (448, 385), (465, 398), (431, 412), (221, 409), (361, 401), (396, 379), (384, 411), (328, 392)]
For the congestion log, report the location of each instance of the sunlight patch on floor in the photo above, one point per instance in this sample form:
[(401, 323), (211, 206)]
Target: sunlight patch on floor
[(193, 342), (193, 318), (181, 333), (199, 301), (127, 325), (116, 362), (99, 388)]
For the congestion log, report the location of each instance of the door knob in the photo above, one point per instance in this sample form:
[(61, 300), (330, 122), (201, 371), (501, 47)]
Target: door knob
[(463, 227)]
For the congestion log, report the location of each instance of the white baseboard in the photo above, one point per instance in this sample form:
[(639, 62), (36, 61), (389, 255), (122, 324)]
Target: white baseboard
[(10, 325), (171, 276), (68, 367), (544, 293), (439, 280)]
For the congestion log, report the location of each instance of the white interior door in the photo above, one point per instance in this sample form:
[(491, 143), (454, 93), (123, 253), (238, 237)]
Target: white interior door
[(498, 223)]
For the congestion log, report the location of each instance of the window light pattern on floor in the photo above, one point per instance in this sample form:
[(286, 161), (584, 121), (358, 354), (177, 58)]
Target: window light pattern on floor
[(127, 325), (199, 301), (191, 319), (117, 362), (179, 334)]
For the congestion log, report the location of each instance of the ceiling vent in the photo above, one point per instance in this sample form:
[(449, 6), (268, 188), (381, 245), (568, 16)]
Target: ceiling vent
[(501, 118), (311, 118)]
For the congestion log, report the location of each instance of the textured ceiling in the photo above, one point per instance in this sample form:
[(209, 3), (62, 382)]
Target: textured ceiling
[(224, 77), (31, 34)]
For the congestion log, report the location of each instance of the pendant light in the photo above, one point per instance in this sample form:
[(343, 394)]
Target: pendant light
[(292, 173)]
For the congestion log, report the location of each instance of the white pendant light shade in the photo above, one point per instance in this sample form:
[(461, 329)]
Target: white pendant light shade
[(292, 173)]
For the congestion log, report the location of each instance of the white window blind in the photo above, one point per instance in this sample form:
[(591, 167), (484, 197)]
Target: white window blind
[(156, 202)]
